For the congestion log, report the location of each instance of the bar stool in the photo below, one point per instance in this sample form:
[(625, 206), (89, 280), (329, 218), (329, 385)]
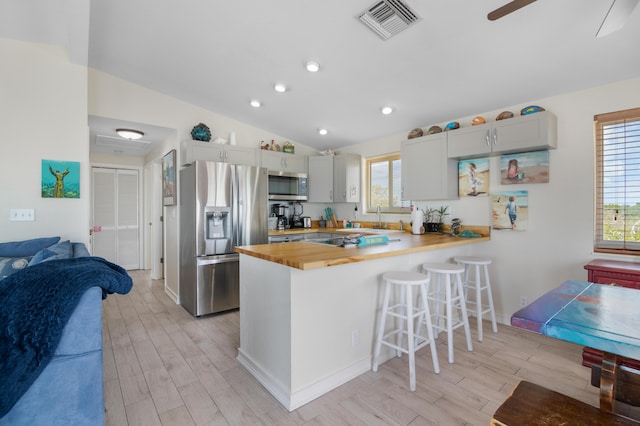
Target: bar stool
[(453, 299), (405, 310), (478, 285)]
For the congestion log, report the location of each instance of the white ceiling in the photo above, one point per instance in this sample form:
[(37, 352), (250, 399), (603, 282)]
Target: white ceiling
[(453, 63)]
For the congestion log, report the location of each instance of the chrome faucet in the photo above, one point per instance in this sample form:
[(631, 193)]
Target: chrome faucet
[(379, 213)]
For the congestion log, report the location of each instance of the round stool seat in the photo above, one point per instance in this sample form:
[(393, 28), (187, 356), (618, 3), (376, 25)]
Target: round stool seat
[(443, 268), (473, 260), (405, 277)]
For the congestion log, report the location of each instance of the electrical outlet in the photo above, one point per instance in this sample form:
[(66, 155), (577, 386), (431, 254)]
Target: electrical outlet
[(355, 338), (524, 301)]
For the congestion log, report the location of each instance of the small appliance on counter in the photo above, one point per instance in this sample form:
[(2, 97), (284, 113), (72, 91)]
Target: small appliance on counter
[(281, 212), (296, 218), (306, 222)]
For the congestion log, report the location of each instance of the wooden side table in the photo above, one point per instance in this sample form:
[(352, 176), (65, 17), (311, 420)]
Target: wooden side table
[(611, 272)]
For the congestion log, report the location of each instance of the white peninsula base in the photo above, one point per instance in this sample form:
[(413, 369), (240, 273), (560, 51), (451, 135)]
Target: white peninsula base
[(304, 333)]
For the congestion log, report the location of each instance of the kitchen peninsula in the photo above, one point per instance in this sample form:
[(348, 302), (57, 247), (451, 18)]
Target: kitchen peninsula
[(308, 311)]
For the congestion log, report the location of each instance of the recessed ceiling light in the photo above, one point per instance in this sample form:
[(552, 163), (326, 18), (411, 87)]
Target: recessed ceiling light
[(387, 110), (312, 66), (129, 134), (280, 87), (323, 131), (255, 103)]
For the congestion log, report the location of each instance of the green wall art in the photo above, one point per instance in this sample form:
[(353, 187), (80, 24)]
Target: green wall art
[(60, 179)]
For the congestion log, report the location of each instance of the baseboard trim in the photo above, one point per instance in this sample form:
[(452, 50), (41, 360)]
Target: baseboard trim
[(293, 400)]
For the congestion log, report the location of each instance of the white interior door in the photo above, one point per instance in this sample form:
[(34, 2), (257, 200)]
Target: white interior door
[(116, 216)]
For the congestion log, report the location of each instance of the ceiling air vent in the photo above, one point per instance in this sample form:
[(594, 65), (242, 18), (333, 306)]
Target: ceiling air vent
[(388, 17)]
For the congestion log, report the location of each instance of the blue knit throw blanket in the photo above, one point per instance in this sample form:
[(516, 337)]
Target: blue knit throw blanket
[(35, 305)]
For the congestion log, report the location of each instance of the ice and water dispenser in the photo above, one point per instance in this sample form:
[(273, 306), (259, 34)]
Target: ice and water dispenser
[(218, 231)]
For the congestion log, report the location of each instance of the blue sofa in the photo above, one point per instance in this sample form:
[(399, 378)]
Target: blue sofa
[(69, 391)]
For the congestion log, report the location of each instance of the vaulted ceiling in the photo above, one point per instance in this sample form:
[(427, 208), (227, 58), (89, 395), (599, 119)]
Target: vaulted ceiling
[(452, 63)]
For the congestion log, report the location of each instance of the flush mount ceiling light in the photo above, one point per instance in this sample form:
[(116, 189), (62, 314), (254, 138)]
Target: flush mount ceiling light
[(323, 131), (280, 87), (255, 103), (387, 110), (312, 66), (130, 134)]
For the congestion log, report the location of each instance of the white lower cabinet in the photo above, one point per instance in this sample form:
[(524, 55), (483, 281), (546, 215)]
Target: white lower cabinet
[(427, 173)]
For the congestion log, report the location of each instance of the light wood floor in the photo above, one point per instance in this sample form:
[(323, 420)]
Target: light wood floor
[(164, 367)]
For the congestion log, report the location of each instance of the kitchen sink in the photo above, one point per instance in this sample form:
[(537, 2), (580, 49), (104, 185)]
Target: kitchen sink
[(334, 242), (377, 231)]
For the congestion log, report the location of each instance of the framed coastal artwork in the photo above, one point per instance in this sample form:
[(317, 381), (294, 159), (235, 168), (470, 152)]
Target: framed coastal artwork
[(169, 178), (510, 210), (60, 179), (528, 167), (473, 178)]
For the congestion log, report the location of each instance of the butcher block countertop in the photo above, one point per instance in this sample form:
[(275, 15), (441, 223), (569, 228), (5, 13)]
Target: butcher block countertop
[(306, 255)]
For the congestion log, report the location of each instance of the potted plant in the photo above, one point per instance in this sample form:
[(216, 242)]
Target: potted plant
[(441, 212), (430, 224), (438, 218)]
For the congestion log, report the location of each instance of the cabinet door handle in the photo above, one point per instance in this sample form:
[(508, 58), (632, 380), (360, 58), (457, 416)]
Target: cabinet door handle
[(486, 137), (495, 136), (331, 195)]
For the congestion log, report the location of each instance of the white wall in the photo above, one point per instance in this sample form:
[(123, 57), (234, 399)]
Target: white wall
[(559, 238), (43, 116)]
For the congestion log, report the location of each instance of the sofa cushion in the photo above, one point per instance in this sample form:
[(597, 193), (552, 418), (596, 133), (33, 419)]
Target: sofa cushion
[(10, 265), (61, 250), (27, 247)]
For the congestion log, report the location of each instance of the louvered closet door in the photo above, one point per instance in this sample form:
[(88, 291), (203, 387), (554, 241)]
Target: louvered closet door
[(116, 235)]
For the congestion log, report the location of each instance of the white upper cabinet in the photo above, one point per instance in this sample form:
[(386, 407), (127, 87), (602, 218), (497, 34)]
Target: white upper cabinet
[(209, 151), (320, 179), (282, 161), (334, 179), (427, 173), (346, 178), (518, 134)]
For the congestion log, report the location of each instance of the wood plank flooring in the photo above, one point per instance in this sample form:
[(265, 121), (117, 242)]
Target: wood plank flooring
[(164, 367)]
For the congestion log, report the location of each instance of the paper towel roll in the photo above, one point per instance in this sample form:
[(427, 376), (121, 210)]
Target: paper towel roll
[(232, 138), (417, 217)]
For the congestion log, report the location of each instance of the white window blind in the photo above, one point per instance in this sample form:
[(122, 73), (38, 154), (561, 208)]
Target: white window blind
[(617, 186)]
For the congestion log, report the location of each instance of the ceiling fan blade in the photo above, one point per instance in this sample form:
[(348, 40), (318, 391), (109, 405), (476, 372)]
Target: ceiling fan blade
[(616, 16), (512, 6)]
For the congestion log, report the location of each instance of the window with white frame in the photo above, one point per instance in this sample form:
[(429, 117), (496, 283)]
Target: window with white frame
[(384, 186), (617, 186)]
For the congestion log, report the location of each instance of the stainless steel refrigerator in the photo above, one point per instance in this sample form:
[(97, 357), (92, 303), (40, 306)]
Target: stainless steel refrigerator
[(221, 206)]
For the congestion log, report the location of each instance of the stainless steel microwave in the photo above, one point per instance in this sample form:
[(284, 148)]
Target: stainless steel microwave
[(288, 186)]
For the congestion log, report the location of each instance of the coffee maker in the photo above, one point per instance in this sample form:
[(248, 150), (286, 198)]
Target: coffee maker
[(281, 211)]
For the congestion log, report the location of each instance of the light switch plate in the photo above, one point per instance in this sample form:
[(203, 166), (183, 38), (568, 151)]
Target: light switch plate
[(22, 215)]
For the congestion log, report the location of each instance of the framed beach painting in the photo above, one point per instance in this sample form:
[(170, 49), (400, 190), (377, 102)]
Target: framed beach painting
[(473, 177), (527, 167), (169, 178), (60, 179), (510, 210)]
